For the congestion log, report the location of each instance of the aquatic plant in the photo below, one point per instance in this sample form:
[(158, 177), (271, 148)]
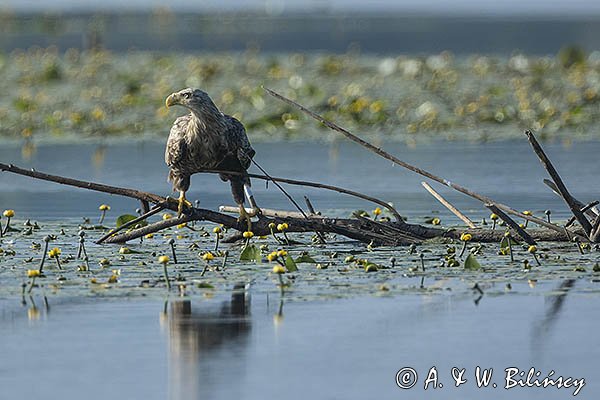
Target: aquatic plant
[(103, 209), (8, 214), (164, 260), (55, 253), (465, 238)]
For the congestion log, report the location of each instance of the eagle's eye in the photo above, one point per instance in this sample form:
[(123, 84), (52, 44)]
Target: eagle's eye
[(186, 95)]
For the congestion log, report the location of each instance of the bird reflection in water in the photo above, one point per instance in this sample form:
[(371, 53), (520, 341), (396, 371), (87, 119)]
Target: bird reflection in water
[(203, 338)]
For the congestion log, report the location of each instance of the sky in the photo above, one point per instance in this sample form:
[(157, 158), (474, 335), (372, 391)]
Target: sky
[(486, 7)]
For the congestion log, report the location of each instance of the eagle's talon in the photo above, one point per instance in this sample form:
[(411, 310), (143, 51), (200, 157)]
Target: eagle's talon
[(183, 205), (245, 216)]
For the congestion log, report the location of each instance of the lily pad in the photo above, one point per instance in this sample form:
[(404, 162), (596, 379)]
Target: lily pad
[(472, 263), (305, 258), (290, 265), (251, 253), (125, 218)]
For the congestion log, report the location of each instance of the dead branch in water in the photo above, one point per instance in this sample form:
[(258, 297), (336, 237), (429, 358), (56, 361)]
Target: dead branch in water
[(560, 186), (267, 212), (317, 185), (395, 160), (510, 222), (362, 229), (98, 187), (590, 209), (448, 205), (155, 210)]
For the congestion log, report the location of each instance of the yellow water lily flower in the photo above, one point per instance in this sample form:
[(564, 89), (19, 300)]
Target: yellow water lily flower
[(9, 213), (32, 273), (278, 269), (163, 259), (55, 252), (282, 253)]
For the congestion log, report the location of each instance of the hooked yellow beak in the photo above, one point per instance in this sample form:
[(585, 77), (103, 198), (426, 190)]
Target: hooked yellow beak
[(172, 100)]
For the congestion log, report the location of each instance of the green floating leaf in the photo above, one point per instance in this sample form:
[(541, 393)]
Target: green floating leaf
[(125, 218), (251, 253), (305, 258), (504, 242), (472, 263), (290, 265)]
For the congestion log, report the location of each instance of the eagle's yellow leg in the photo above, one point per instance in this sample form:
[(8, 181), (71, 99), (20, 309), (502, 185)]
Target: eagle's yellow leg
[(182, 203), (245, 216)]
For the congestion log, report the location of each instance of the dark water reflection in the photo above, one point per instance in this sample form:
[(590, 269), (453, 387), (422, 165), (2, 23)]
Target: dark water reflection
[(197, 335)]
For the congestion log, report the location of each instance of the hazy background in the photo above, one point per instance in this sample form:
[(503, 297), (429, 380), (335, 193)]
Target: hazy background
[(474, 7), (384, 26), (443, 68)]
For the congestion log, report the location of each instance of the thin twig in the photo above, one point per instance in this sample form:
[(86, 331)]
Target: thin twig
[(311, 209), (155, 210), (449, 206), (309, 205), (317, 185), (290, 198)]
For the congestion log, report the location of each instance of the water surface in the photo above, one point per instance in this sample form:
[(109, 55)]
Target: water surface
[(334, 333), (250, 348)]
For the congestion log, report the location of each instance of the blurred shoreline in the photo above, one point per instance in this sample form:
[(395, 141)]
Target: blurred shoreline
[(103, 75), (101, 94), (370, 33)]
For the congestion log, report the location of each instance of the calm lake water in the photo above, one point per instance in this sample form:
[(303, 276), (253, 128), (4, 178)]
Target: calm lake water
[(248, 344), (508, 172)]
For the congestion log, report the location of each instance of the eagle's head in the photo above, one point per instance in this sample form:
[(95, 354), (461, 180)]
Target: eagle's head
[(195, 100)]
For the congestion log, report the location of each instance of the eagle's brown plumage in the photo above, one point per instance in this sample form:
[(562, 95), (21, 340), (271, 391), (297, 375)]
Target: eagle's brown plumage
[(206, 139)]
